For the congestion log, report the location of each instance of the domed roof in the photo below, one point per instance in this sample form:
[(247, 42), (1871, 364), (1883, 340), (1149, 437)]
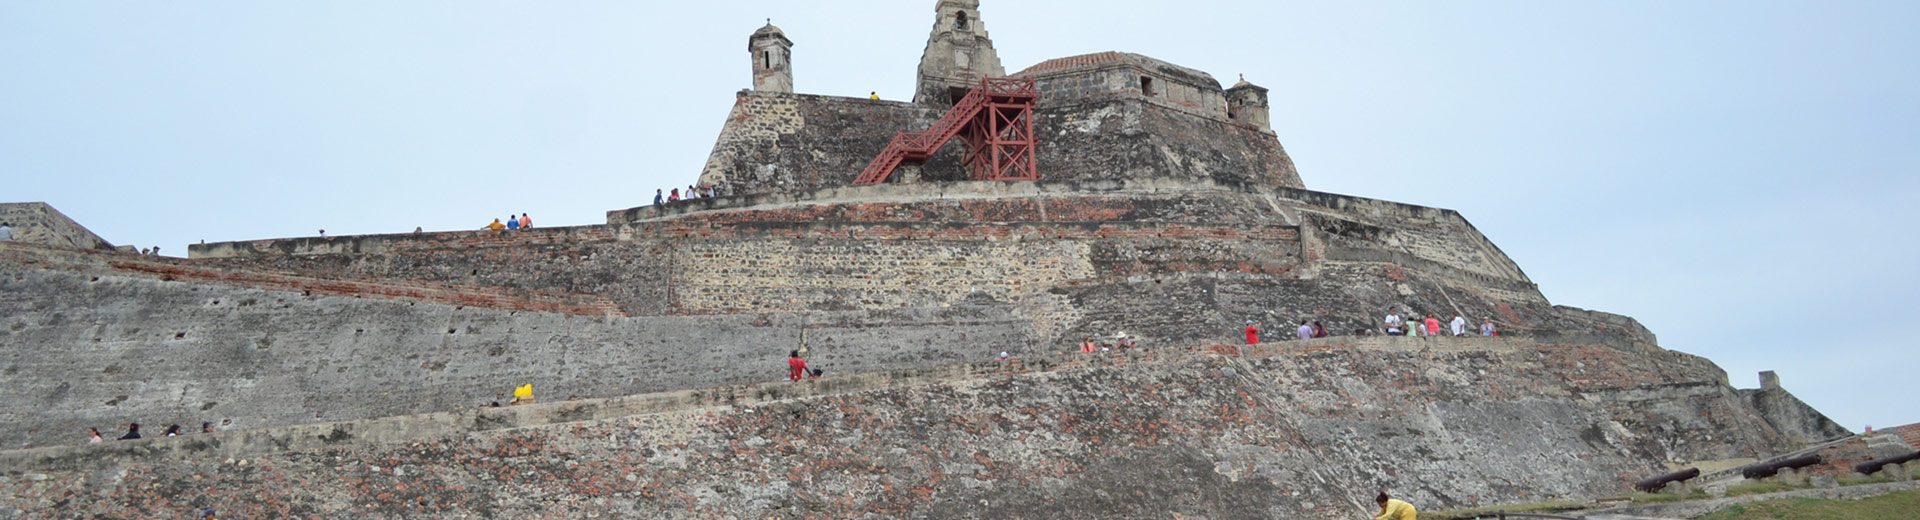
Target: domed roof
[(769, 30), (1084, 62), (1243, 82)]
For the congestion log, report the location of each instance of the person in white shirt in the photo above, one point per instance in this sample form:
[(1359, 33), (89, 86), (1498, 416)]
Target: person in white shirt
[(1459, 325), (6, 232), (1395, 325), (1487, 329)]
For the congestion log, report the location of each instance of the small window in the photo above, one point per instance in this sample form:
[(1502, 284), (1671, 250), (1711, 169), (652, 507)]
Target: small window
[(1146, 86), (766, 57), (960, 20)]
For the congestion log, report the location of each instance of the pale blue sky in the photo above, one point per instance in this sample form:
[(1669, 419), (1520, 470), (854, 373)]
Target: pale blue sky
[(1736, 174)]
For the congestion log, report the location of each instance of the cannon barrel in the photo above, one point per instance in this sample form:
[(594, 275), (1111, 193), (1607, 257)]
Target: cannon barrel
[(1871, 467), (1768, 469), (1654, 483)]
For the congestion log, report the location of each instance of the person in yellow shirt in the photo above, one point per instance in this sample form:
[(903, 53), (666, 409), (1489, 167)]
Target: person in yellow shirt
[(1391, 509), (875, 95), (496, 225)]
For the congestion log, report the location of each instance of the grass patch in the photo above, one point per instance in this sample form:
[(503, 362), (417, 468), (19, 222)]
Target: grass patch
[(1861, 480), (1550, 506), (1759, 488), (1662, 498), (1896, 506)]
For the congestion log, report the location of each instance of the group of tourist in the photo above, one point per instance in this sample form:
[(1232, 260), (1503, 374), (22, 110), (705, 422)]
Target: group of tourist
[(1391, 325), (1120, 342), (662, 197), (522, 223), (133, 432), (1394, 325)]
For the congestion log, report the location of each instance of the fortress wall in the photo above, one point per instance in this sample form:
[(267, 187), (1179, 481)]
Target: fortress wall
[(798, 142), (852, 255), (1370, 230), (1185, 90), (103, 347), (39, 223), (1128, 138), (797, 267), (782, 143), (1277, 433), (170, 269)]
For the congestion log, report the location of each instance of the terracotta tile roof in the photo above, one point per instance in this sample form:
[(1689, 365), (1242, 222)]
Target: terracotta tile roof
[(1909, 433), (1071, 62)]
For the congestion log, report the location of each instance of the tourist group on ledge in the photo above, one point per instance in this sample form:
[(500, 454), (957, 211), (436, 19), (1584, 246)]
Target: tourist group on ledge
[(512, 224), (662, 197), (133, 432), (1391, 325)]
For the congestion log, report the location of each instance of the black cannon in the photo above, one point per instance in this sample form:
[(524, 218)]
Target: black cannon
[(1768, 469), (1871, 467), (1652, 484)]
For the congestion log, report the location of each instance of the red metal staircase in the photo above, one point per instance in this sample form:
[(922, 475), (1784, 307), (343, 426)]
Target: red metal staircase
[(995, 118)]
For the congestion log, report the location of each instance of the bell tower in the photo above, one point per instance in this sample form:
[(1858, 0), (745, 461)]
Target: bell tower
[(772, 60), (958, 54)]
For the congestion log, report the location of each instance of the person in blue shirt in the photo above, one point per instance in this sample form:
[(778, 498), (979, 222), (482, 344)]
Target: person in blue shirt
[(513, 223), (659, 197)]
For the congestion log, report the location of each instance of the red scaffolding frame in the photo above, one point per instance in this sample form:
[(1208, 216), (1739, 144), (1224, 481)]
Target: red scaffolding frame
[(995, 118)]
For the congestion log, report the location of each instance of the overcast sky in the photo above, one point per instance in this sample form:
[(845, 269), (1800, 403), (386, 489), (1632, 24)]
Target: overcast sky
[(1739, 175)]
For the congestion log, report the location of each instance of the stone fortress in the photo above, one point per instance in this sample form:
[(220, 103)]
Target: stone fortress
[(343, 372)]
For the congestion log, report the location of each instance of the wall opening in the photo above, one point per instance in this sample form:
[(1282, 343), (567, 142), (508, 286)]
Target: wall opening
[(766, 59), (960, 20), (1146, 86)]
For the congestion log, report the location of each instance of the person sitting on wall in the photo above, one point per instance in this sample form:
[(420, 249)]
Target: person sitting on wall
[(1253, 333), (93, 435), (796, 367), (1459, 325), (1087, 346), (526, 222), (6, 232), (659, 196), (133, 432), (1433, 325), (1305, 332), (513, 224), (522, 395), (1487, 329), (1320, 331), (495, 226), (1391, 509), (674, 196)]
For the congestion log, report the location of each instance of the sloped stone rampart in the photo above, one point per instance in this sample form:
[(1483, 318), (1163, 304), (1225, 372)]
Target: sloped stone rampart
[(1293, 431), (99, 347), (39, 223)]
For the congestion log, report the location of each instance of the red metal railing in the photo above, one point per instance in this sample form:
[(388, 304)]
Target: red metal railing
[(996, 117)]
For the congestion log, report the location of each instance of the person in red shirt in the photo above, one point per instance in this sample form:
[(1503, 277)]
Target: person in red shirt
[(796, 367), (1086, 346), (1253, 333), (1433, 325)]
